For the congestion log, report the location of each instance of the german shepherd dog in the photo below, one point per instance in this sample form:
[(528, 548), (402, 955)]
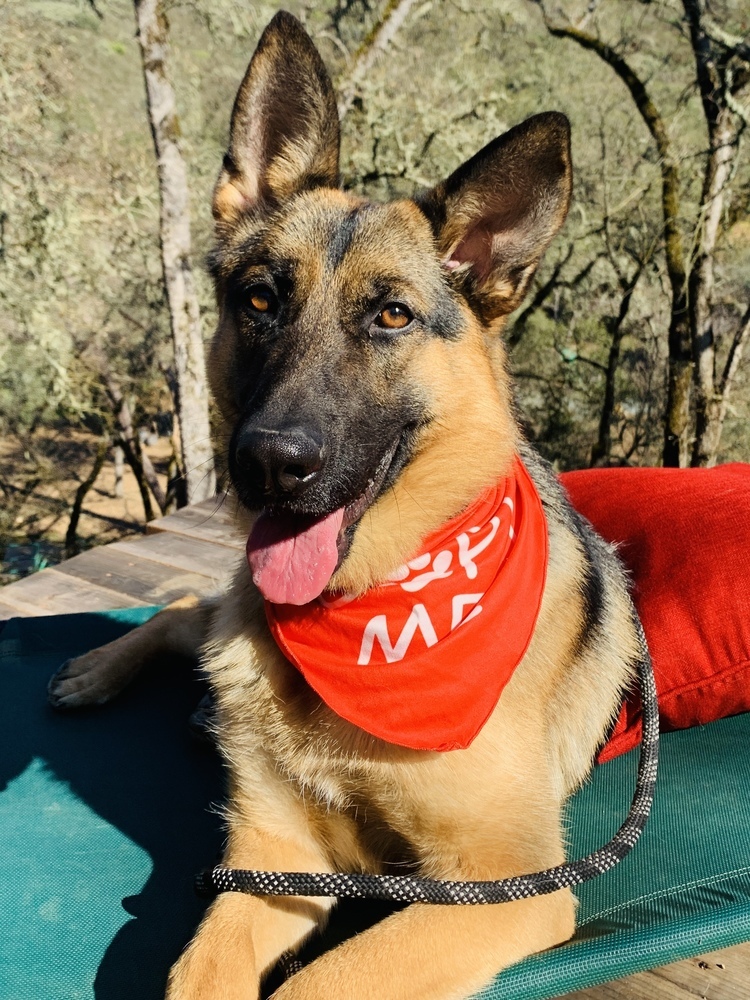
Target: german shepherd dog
[(358, 366)]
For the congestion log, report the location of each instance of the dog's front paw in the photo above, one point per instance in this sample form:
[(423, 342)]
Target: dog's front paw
[(203, 975), (91, 679)]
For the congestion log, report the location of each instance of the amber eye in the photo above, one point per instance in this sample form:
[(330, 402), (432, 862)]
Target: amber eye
[(262, 299), (394, 317)]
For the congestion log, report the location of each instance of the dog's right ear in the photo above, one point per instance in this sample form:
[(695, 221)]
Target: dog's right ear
[(284, 134)]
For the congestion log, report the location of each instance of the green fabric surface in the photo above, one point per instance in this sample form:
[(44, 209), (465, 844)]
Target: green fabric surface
[(683, 890), (103, 821), (105, 816)]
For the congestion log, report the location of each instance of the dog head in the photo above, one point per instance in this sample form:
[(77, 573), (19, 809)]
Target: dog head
[(357, 363)]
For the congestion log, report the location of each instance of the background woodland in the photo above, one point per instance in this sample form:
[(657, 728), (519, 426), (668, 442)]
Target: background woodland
[(628, 350)]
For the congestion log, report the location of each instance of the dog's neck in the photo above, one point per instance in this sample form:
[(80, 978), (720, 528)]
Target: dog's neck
[(457, 461)]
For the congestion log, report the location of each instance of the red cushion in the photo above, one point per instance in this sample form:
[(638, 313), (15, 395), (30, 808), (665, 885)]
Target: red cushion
[(684, 534)]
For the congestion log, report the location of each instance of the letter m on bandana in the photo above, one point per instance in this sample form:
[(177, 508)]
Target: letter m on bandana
[(377, 628)]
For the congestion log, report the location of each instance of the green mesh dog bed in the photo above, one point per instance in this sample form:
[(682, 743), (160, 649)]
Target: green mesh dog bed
[(105, 817)]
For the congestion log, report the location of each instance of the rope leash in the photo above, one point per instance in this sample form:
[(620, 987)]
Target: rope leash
[(408, 889)]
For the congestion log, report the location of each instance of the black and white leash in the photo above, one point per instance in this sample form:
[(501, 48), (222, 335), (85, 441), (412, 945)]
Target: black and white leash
[(407, 889)]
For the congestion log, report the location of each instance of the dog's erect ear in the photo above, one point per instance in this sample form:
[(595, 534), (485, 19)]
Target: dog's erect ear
[(497, 214), (284, 135)]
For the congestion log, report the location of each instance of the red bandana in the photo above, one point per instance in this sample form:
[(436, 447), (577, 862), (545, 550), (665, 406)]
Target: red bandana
[(422, 660)]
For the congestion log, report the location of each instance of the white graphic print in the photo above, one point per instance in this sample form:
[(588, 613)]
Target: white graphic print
[(460, 601), (400, 574), (509, 503), (470, 546), (441, 565), (440, 570), (377, 628), (467, 554)]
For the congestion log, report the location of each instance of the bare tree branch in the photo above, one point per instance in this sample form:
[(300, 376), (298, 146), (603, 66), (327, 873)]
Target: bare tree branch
[(679, 339), (71, 540), (601, 450), (93, 6), (374, 45), (711, 65), (589, 13), (721, 397), (735, 44), (741, 336), (580, 357), (731, 101), (538, 299), (544, 291), (136, 458)]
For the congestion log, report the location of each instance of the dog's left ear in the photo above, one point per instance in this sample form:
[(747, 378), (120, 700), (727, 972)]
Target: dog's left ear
[(496, 215), (284, 133)]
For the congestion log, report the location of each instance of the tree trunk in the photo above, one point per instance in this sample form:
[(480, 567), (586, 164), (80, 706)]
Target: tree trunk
[(600, 453), (71, 540), (137, 459), (677, 417), (708, 402), (132, 457), (680, 371), (741, 337), (195, 430), (118, 459), (710, 65)]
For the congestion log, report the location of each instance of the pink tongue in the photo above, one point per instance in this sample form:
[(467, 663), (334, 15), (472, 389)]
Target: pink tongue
[(291, 557)]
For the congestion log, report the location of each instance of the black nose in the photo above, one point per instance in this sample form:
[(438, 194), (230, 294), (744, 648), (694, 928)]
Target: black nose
[(278, 463)]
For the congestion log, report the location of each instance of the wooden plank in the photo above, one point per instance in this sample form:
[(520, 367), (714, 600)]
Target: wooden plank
[(719, 975), (220, 509), (642, 986), (190, 554), (110, 577), (147, 581), (203, 521), (220, 506), (8, 610), (52, 592)]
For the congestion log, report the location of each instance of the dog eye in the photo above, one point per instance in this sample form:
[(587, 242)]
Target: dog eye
[(262, 299), (394, 317)]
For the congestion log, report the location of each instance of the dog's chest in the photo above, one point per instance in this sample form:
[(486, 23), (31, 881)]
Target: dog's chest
[(280, 739), (317, 752), (269, 719)]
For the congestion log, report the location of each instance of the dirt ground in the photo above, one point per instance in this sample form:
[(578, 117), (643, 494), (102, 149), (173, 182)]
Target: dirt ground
[(33, 534)]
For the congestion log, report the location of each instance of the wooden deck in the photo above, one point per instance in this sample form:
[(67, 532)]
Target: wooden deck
[(194, 551), (190, 552)]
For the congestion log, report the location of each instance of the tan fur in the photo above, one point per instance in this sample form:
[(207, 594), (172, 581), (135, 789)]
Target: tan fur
[(475, 432), (308, 791)]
